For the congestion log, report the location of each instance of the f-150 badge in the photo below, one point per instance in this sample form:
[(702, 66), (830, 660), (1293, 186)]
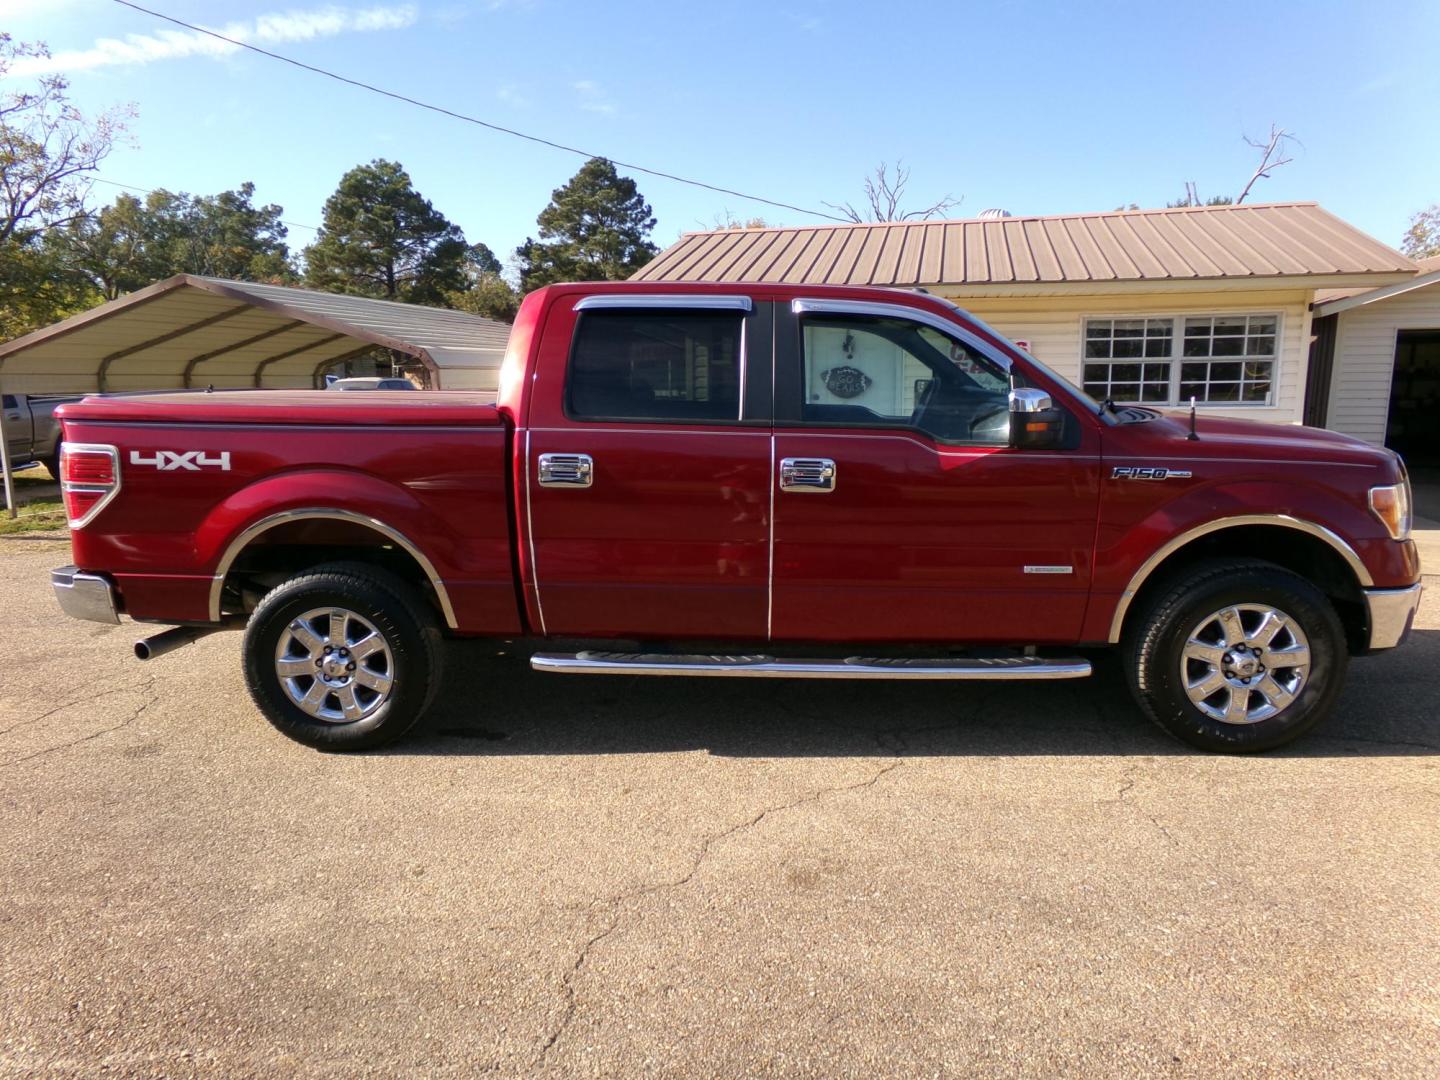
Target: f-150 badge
[(190, 460), (1148, 472)]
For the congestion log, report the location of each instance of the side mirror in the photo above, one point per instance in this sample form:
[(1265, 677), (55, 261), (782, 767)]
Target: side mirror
[(1035, 423)]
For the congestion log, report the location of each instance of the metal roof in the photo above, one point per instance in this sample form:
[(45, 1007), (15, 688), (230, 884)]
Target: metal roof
[(197, 331), (1334, 301), (1192, 244)]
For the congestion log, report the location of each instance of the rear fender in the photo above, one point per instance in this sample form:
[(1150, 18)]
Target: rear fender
[(328, 494)]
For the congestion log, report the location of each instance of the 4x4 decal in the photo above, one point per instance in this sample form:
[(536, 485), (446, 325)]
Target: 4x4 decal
[(191, 460)]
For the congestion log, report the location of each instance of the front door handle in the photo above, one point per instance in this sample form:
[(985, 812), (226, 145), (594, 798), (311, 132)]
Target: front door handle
[(812, 474), (566, 470)]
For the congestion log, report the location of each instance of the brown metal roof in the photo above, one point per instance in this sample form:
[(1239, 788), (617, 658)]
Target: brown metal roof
[(195, 331), (1261, 240)]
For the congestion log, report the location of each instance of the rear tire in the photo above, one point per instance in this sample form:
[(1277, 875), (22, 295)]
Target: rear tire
[(1237, 656), (343, 657)]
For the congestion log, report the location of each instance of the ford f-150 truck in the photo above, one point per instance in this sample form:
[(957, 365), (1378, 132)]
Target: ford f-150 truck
[(756, 481)]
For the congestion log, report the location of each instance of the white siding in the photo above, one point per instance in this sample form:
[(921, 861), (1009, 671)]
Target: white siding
[(1365, 359), (1055, 328)]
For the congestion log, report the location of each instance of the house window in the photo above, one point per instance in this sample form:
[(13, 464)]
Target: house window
[(1219, 359)]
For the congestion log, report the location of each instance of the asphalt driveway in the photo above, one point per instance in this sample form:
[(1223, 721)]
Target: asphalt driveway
[(701, 877)]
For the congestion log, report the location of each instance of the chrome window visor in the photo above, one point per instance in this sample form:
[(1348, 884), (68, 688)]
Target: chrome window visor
[(602, 301), (901, 311)]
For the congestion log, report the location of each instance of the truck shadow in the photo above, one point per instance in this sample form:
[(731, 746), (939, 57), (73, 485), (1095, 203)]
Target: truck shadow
[(494, 704)]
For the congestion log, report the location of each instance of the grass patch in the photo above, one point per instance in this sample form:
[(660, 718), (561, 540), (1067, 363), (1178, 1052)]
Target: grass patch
[(36, 516)]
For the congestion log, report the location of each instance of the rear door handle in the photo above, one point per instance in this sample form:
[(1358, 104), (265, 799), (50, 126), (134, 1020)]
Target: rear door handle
[(812, 474), (566, 470)]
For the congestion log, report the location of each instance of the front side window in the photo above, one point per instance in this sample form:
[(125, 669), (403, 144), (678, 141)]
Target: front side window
[(1166, 361), (870, 371), (668, 366)]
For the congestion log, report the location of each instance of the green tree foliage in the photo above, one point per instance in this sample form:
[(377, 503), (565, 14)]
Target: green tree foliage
[(596, 228), (1422, 238), (380, 237), (489, 295), (48, 149), (133, 243)]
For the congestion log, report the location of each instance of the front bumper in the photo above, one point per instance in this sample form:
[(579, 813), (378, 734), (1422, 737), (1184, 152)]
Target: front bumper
[(84, 596), (1392, 613)]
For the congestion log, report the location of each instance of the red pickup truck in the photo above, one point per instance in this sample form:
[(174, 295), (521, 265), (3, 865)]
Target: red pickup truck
[(762, 481)]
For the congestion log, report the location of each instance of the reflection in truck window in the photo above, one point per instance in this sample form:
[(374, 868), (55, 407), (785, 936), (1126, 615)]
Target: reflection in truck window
[(656, 365), (868, 371)]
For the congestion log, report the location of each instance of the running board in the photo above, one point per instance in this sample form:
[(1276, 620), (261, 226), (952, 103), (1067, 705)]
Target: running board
[(854, 667)]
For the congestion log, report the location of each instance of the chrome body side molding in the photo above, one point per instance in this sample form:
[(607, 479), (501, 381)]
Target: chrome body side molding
[(764, 666), (1341, 548), (232, 552)]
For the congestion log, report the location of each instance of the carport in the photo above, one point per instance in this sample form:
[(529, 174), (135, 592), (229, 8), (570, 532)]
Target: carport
[(197, 332)]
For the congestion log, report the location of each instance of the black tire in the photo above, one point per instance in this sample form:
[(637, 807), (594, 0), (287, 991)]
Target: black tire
[(1154, 648), (394, 609), (53, 463)]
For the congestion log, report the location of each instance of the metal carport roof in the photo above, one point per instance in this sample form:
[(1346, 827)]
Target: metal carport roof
[(189, 331)]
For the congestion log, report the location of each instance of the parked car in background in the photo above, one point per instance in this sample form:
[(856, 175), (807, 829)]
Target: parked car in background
[(372, 383), (32, 430), (748, 481)]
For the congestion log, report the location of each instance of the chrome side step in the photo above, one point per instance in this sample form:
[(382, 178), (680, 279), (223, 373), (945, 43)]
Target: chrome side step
[(769, 667)]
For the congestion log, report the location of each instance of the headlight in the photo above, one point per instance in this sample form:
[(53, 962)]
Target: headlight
[(1391, 504)]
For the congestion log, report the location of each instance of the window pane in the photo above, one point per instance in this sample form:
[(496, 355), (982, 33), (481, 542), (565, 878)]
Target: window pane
[(1224, 392), (1261, 346), (1257, 391), (656, 365), (1262, 324), (1094, 349), (1227, 346), (1129, 347), (1156, 392), (866, 371)]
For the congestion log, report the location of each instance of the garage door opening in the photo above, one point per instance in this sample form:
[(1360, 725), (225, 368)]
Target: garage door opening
[(1413, 429)]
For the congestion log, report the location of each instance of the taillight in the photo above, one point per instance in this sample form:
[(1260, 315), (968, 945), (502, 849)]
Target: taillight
[(89, 479)]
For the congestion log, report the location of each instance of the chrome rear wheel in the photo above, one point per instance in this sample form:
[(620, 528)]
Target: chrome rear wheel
[(335, 665)]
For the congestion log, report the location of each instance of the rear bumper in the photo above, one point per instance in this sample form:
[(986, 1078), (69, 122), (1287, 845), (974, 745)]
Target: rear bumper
[(1392, 613), (84, 596)]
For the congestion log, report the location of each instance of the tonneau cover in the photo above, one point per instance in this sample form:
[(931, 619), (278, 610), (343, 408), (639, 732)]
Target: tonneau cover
[(308, 407)]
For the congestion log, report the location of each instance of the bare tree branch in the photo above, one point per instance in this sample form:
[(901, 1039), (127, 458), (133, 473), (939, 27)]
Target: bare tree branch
[(1272, 156), (883, 195)]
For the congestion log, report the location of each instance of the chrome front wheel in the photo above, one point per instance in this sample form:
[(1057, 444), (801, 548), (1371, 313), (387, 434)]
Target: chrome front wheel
[(1245, 663), (335, 665)]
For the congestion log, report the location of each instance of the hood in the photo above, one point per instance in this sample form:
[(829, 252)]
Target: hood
[(1257, 440)]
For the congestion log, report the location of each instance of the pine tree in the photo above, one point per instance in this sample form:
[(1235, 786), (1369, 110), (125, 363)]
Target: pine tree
[(380, 237), (596, 228)]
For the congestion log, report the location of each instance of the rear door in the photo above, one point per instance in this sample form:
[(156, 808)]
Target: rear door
[(647, 468), (901, 512)]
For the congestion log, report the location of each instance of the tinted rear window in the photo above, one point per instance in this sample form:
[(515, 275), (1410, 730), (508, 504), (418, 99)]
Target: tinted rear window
[(671, 366)]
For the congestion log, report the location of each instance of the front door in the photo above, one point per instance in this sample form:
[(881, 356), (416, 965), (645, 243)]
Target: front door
[(648, 468), (928, 527)]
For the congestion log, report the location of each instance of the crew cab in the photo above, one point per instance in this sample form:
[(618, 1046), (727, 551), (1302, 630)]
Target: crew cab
[(751, 481)]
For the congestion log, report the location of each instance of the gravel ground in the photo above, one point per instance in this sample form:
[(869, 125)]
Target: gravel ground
[(701, 878)]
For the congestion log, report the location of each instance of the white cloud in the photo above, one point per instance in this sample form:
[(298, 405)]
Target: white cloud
[(592, 97), (511, 94), (273, 29)]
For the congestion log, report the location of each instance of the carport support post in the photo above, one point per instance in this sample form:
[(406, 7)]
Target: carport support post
[(10, 506)]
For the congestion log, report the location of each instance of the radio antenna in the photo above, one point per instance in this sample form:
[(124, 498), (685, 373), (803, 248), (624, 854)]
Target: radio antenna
[(1192, 436)]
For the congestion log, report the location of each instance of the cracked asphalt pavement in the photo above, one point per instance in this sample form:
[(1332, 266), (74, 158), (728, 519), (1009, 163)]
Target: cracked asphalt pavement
[(689, 878)]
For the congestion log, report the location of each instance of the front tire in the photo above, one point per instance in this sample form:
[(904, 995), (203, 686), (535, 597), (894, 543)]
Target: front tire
[(1237, 656), (343, 657)]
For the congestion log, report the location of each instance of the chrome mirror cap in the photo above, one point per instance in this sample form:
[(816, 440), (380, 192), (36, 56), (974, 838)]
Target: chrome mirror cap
[(1026, 399)]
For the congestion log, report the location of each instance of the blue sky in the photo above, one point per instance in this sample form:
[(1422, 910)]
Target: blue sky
[(1034, 107)]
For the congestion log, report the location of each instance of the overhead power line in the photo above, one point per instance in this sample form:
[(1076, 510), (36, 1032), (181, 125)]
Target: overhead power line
[(476, 120), (151, 191)]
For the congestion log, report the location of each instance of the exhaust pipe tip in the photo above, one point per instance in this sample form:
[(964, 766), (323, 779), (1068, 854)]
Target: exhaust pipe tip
[(170, 640)]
